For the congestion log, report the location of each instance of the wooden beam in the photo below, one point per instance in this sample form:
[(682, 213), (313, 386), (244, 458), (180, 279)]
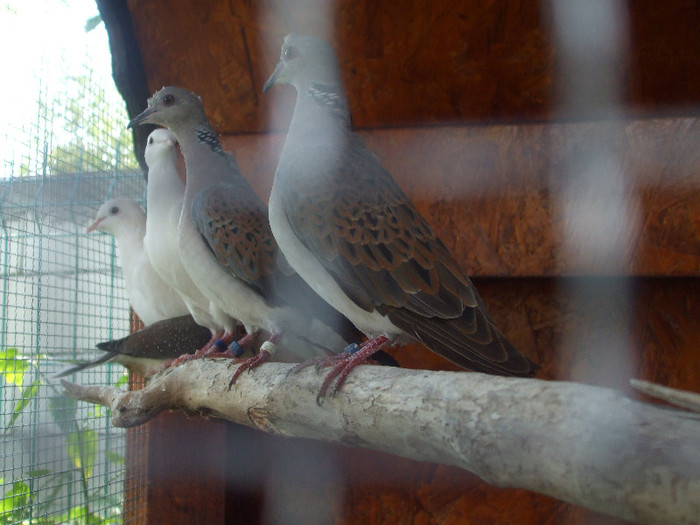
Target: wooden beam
[(490, 191), (407, 63)]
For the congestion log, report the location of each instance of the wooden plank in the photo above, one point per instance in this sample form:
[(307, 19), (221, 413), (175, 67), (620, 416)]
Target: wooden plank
[(490, 191), (135, 507), (175, 469), (406, 63), (186, 470)]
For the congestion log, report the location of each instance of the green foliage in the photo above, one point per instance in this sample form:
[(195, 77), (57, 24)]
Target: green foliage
[(14, 506), (12, 366), (82, 449), (93, 142), (27, 395), (92, 23), (20, 504)]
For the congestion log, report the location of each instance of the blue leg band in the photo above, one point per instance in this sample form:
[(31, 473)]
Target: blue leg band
[(235, 348), (351, 348)]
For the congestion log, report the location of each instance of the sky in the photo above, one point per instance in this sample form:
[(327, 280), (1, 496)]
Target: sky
[(41, 41)]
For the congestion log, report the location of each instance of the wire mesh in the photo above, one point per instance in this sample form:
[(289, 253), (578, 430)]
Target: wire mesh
[(61, 461)]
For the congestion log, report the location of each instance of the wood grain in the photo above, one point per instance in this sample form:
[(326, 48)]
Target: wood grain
[(406, 63), (491, 192), (373, 487)]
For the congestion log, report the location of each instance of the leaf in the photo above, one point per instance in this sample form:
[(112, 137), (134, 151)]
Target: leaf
[(123, 380), (13, 366), (115, 458), (63, 412), (27, 395), (39, 473), (82, 449), (15, 500)]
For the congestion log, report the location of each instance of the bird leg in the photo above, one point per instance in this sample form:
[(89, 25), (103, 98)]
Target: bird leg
[(343, 364), (230, 348), (267, 350)]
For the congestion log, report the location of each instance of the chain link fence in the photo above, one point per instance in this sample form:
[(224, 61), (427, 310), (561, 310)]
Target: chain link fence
[(61, 461)]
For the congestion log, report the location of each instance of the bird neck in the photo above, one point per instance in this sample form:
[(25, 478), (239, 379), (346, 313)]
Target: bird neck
[(165, 187), (205, 160), (321, 116), (129, 242)]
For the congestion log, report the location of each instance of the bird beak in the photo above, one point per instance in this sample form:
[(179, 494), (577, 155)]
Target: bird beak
[(94, 225), (273, 78), (141, 118)]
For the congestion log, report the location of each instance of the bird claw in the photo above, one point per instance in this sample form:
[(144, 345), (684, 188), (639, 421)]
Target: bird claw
[(353, 356), (267, 350)]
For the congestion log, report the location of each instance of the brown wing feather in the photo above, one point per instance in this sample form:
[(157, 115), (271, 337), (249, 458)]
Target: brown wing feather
[(236, 229), (368, 234), (382, 252)]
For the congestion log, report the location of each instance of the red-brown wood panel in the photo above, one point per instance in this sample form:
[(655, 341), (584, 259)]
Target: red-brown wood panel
[(186, 470), (491, 191), (415, 73), (406, 63)]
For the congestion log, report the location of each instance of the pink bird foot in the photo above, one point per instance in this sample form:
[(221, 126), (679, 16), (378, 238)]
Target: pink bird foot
[(216, 347), (226, 347), (342, 364), (267, 350)]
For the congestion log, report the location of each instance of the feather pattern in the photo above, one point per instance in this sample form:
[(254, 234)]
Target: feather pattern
[(351, 232)]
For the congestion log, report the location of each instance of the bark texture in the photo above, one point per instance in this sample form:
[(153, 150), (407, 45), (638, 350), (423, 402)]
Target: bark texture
[(586, 445)]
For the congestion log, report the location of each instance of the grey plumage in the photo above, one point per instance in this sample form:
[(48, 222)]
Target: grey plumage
[(225, 241), (347, 228), (166, 191)]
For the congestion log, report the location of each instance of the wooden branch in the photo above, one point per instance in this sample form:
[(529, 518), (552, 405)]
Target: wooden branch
[(586, 445), (680, 398)]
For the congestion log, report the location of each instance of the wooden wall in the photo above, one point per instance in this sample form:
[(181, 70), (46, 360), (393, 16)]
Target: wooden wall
[(406, 62), (459, 101)]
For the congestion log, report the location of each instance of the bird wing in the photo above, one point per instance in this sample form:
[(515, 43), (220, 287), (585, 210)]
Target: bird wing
[(369, 236), (384, 255), (233, 224), (166, 339)]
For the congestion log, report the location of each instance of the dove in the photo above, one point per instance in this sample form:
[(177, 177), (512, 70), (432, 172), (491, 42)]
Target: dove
[(149, 348), (150, 297), (165, 194), (351, 233), (227, 248)]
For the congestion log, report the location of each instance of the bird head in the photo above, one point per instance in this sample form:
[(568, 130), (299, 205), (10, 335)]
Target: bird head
[(160, 142), (305, 60), (117, 216), (171, 107)]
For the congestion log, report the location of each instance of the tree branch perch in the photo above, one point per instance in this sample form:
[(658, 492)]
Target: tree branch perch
[(586, 445)]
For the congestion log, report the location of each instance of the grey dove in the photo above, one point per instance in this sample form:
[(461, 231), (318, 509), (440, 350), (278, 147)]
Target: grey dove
[(151, 298), (149, 348), (166, 191), (227, 248), (349, 230)]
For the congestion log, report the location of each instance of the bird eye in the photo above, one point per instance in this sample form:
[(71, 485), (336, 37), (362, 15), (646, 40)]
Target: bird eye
[(289, 53), (150, 140), (168, 100), (114, 210)]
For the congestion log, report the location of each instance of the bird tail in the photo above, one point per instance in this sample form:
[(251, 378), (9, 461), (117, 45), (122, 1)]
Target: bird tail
[(87, 364), (471, 341), (113, 346)]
